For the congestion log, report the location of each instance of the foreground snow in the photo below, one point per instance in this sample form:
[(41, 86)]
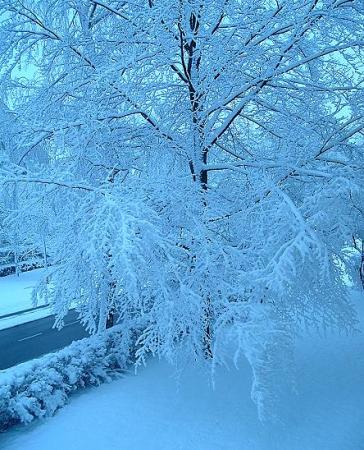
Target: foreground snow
[(155, 411)]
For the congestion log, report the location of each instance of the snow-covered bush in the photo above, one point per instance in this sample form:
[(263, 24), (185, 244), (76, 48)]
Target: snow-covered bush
[(39, 388)]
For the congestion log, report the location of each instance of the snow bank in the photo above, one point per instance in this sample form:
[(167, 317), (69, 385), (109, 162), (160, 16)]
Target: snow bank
[(29, 316), (39, 388)]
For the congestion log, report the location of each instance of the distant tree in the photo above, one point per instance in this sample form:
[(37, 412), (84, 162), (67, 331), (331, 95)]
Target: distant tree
[(23, 225), (204, 164)]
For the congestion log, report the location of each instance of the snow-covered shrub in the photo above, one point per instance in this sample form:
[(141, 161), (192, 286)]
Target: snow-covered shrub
[(39, 388)]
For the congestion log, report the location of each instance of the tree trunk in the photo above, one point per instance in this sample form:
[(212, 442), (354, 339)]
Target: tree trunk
[(191, 64)]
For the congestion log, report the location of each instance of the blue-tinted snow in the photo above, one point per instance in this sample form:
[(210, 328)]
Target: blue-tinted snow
[(152, 411)]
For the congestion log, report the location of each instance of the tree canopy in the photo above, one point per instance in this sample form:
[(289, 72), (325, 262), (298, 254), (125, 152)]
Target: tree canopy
[(197, 166)]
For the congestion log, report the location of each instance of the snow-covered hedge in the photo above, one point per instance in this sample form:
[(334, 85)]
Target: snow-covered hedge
[(40, 387)]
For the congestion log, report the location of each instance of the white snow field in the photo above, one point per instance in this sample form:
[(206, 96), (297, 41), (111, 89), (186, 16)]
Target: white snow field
[(16, 295), (16, 291), (154, 411)]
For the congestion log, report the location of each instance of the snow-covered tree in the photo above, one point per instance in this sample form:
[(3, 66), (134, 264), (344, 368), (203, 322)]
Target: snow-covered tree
[(23, 230), (204, 164)]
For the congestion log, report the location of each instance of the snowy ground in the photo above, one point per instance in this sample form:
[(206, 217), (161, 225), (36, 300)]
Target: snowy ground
[(16, 295), (29, 316), (16, 291), (151, 411)]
